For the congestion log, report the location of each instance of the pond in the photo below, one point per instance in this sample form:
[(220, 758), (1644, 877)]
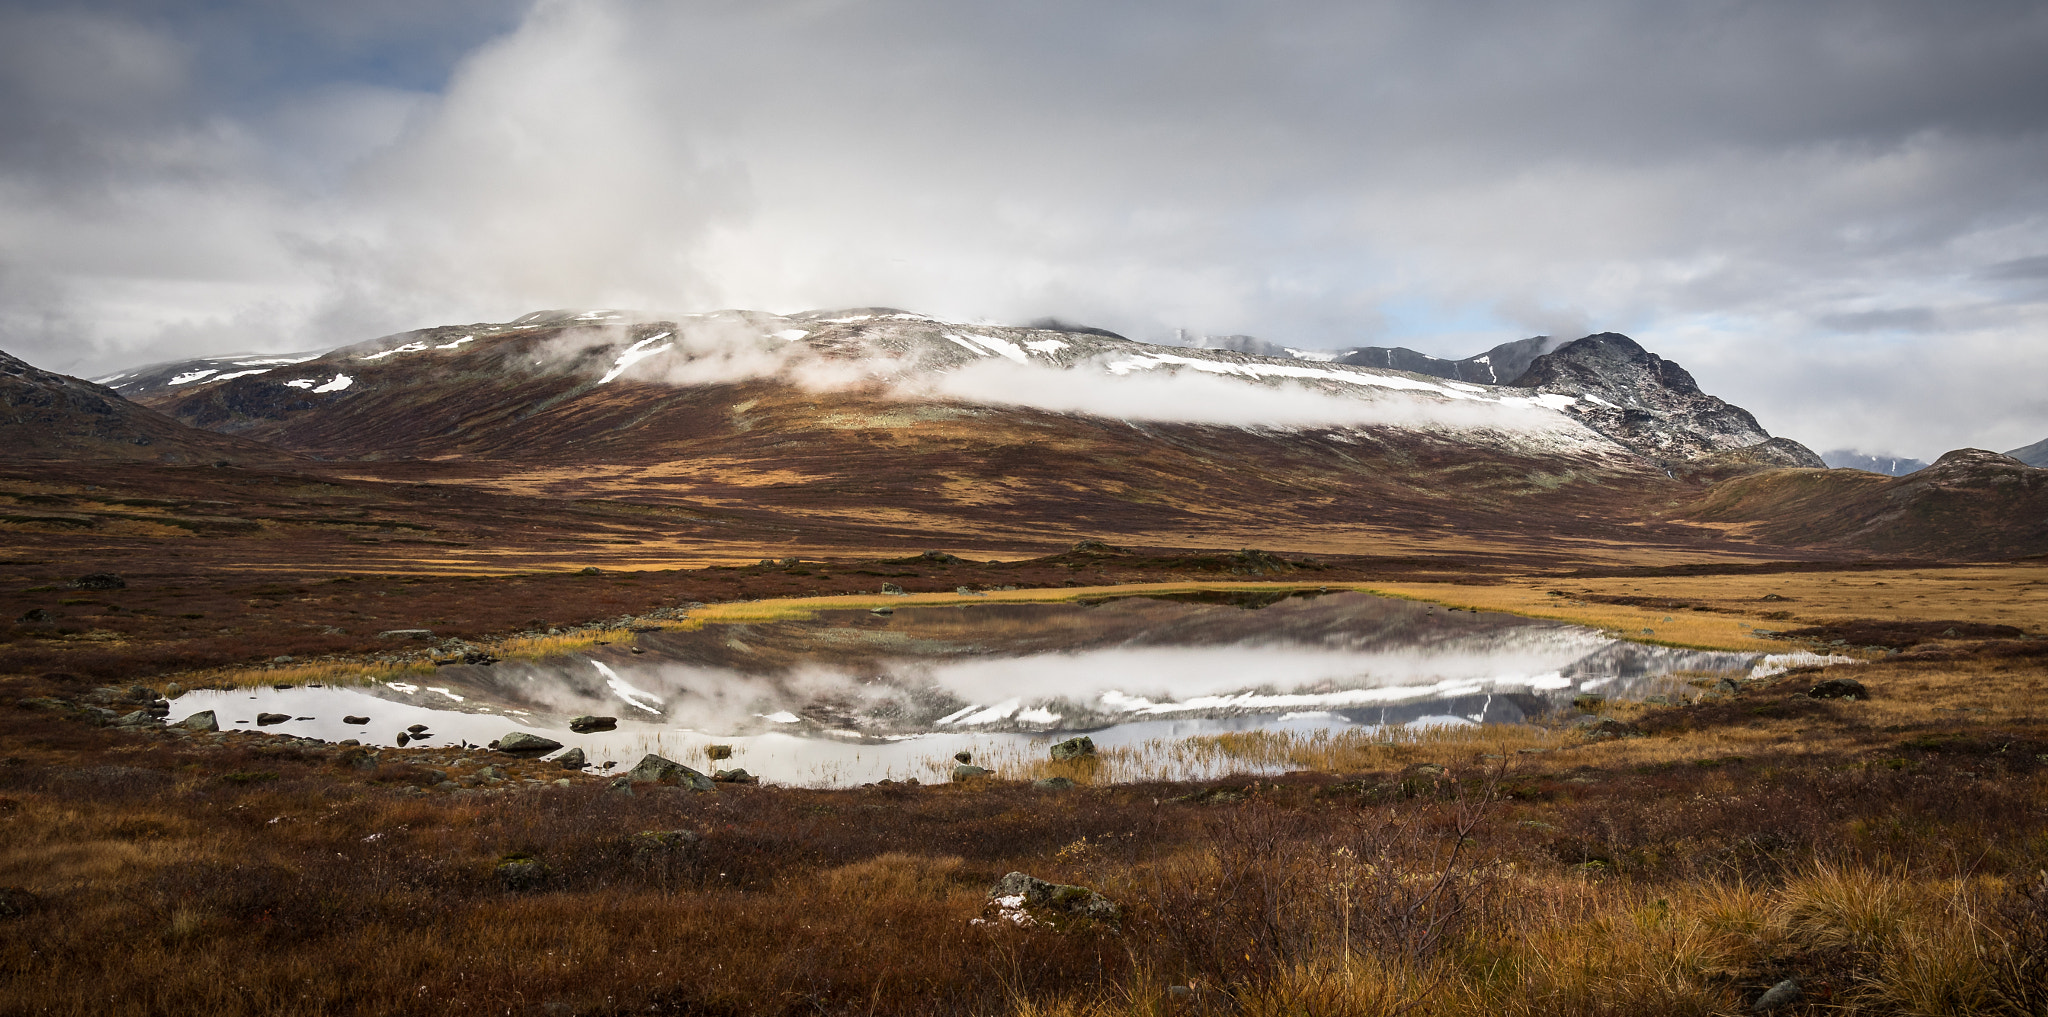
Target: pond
[(855, 695)]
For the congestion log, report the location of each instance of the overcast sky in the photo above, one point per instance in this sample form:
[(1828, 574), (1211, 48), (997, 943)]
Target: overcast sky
[(1833, 214)]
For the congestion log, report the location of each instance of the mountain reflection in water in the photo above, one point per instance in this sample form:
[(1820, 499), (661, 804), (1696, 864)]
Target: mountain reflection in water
[(853, 695)]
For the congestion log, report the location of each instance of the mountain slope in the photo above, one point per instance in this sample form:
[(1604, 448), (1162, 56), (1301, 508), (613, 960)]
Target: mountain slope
[(1969, 504), (1653, 407), (1502, 365), (2033, 455), (44, 415)]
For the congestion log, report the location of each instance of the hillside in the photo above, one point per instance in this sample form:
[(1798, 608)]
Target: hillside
[(44, 415), (1969, 504), (877, 414)]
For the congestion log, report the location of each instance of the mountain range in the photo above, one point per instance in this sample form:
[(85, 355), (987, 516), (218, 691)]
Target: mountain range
[(882, 426)]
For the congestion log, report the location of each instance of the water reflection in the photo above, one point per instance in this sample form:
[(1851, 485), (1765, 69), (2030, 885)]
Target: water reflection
[(852, 695)]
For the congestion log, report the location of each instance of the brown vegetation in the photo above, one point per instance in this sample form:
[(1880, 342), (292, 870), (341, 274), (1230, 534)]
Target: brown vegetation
[(1886, 852)]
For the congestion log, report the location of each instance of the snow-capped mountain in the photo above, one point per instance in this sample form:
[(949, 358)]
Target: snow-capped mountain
[(1602, 398)]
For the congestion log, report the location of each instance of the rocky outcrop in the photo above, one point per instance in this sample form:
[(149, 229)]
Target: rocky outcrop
[(522, 743), (653, 769), (1026, 900), (1652, 406)]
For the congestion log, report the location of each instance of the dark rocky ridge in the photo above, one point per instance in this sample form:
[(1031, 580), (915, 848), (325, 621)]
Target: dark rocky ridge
[(1502, 365), (1654, 407), (2033, 455), (1890, 466), (45, 415)]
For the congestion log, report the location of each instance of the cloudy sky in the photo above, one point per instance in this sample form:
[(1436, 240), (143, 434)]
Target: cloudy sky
[(1833, 213)]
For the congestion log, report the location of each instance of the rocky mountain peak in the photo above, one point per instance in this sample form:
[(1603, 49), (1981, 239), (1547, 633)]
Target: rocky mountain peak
[(1652, 405), (48, 415)]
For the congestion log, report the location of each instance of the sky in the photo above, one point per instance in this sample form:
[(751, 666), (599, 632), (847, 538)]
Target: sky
[(1834, 213)]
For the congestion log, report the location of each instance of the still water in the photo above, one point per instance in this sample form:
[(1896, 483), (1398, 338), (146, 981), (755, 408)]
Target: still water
[(852, 696)]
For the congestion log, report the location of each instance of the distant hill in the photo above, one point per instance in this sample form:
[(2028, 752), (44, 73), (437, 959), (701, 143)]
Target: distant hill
[(45, 415), (1890, 466), (1969, 504), (2033, 455)]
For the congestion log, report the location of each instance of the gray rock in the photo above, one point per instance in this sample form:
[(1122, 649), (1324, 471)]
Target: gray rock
[(522, 743), (100, 581), (1058, 899), (402, 739), (1783, 994), (1839, 688), (415, 728), (963, 756), (736, 775), (663, 843), (355, 720), (140, 718), (572, 759), (654, 769), (1074, 748), (622, 787), (587, 724), (590, 570), (1053, 783), (201, 721), (173, 690), (266, 719), (892, 590), (969, 771), (406, 634), (522, 872), (491, 772), (1608, 728)]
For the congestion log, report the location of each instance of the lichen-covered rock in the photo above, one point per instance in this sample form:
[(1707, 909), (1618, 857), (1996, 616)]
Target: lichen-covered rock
[(521, 872), (574, 759), (1053, 784), (969, 771), (656, 770), (204, 720), (1608, 728), (736, 775), (1053, 902), (587, 724), (1074, 748)]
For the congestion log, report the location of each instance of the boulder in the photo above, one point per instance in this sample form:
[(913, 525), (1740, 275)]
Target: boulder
[(572, 759), (654, 769), (963, 756), (892, 590), (736, 775), (100, 581), (1057, 900), (173, 690), (201, 721), (355, 720), (139, 718), (406, 634), (1074, 748), (586, 724), (663, 843), (590, 570), (35, 614), (1781, 995), (267, 719), (522, 743), (415, 728), (1608, 728), (1053, 784), (521, 872), (1839, 688), (969, 771)]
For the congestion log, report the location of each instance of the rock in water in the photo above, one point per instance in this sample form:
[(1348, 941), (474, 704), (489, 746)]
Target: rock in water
[(1074, 748), (586, 725), (969, 771), (202, 721), (654, 769), (572, 759), (718, 752), (266, 719), (736, 775), (521, 743), (355, 720)]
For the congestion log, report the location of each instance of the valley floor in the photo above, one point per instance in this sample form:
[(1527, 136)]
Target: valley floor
[(1886, 854)]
